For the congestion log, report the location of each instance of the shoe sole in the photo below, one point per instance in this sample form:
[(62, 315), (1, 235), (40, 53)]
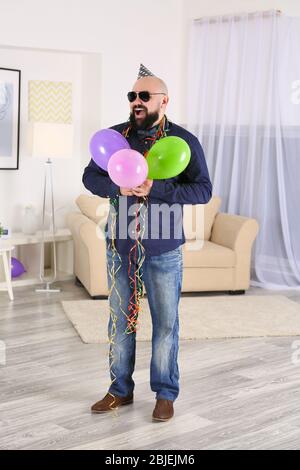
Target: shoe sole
[(161, 419), (112, 409)]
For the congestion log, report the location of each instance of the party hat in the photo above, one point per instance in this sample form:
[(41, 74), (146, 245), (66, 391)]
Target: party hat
[(144, 72)]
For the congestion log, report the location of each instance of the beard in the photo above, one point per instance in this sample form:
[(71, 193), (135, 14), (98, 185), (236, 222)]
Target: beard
[(146, 123)]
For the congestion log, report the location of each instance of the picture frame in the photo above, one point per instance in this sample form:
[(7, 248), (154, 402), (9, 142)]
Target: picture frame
[(10, 85)]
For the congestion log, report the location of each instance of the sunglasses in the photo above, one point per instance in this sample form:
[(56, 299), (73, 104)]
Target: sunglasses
[(143, 95)]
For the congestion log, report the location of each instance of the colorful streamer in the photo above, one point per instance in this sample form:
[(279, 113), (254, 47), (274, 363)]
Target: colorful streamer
[(136, 259)]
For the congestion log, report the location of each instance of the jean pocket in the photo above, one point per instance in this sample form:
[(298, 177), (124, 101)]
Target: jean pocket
[(177, 252), (169, 260)]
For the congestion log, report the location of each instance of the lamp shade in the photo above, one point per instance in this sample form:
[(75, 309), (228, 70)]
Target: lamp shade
[(51, 140)]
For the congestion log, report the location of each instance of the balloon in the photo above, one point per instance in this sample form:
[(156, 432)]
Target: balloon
[(168, 157), (127, 168), (104, 144), (17, 267)]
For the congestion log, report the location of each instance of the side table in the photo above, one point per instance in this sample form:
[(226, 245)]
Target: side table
[(5, 255), (27, 251)]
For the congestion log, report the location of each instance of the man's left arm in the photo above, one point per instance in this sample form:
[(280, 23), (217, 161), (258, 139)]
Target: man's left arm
[(196, 187)]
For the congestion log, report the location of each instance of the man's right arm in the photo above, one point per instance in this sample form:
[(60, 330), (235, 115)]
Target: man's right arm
[(96, 180)]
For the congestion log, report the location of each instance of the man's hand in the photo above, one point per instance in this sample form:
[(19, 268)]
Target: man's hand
[(143, 189), (126, 192)]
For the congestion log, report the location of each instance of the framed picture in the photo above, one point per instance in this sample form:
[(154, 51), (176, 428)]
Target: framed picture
[(9, 118)]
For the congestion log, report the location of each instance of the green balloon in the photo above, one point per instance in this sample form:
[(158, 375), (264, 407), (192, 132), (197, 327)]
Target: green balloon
[(168, 157)]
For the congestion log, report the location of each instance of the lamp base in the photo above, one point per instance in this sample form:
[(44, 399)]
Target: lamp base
[(47, 289)]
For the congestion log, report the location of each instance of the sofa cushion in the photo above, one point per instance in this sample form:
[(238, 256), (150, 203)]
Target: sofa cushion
[(198, 213), (209, 256), (94, 207)]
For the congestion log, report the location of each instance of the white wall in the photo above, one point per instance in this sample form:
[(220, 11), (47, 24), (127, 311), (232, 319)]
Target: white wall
[(198, 8), (123, 34), (25, 185)]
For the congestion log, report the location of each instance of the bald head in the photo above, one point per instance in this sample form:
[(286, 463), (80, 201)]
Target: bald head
[(152, 84)]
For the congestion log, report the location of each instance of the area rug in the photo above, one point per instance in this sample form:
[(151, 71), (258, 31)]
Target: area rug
[(200, 317)]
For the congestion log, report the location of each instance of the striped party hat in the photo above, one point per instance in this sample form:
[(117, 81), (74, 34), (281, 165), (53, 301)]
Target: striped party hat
[(144, 72)]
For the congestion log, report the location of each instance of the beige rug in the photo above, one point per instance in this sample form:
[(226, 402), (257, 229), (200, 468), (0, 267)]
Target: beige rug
[(200, 317)]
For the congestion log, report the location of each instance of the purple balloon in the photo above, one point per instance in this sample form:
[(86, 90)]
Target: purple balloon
[(17, 267), (104, 144), (128, 168)]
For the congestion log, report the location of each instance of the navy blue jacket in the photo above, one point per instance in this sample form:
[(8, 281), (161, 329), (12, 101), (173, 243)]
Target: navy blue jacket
[(192, 186)]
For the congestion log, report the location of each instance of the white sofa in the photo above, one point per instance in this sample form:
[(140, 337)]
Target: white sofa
[(222, 264)]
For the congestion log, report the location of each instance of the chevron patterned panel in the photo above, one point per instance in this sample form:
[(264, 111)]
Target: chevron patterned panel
[(50, 101)]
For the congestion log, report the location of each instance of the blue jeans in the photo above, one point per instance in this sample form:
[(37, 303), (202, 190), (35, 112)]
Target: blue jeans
[(162, 278)]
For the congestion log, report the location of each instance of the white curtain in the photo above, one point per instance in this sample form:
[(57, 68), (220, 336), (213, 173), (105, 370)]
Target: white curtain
[(244, 106)]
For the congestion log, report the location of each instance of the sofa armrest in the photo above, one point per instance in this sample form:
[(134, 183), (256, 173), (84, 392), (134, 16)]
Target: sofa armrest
[(234, 231), (74, 220), (86, 231), (237, 233), (90, 253)]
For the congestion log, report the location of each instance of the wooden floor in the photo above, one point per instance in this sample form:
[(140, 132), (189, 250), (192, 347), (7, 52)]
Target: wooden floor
[(235, 394)]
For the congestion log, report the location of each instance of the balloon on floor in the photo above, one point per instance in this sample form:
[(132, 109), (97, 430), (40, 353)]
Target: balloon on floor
[(17, 267)]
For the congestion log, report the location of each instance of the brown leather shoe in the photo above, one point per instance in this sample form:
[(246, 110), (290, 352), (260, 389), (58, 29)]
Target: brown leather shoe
[(163, 410), (110, 402)]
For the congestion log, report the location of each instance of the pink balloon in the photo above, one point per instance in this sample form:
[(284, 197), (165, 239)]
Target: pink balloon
[(127, 168)]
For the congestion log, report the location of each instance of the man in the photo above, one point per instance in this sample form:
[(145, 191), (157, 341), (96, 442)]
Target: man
[(162, 264)]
